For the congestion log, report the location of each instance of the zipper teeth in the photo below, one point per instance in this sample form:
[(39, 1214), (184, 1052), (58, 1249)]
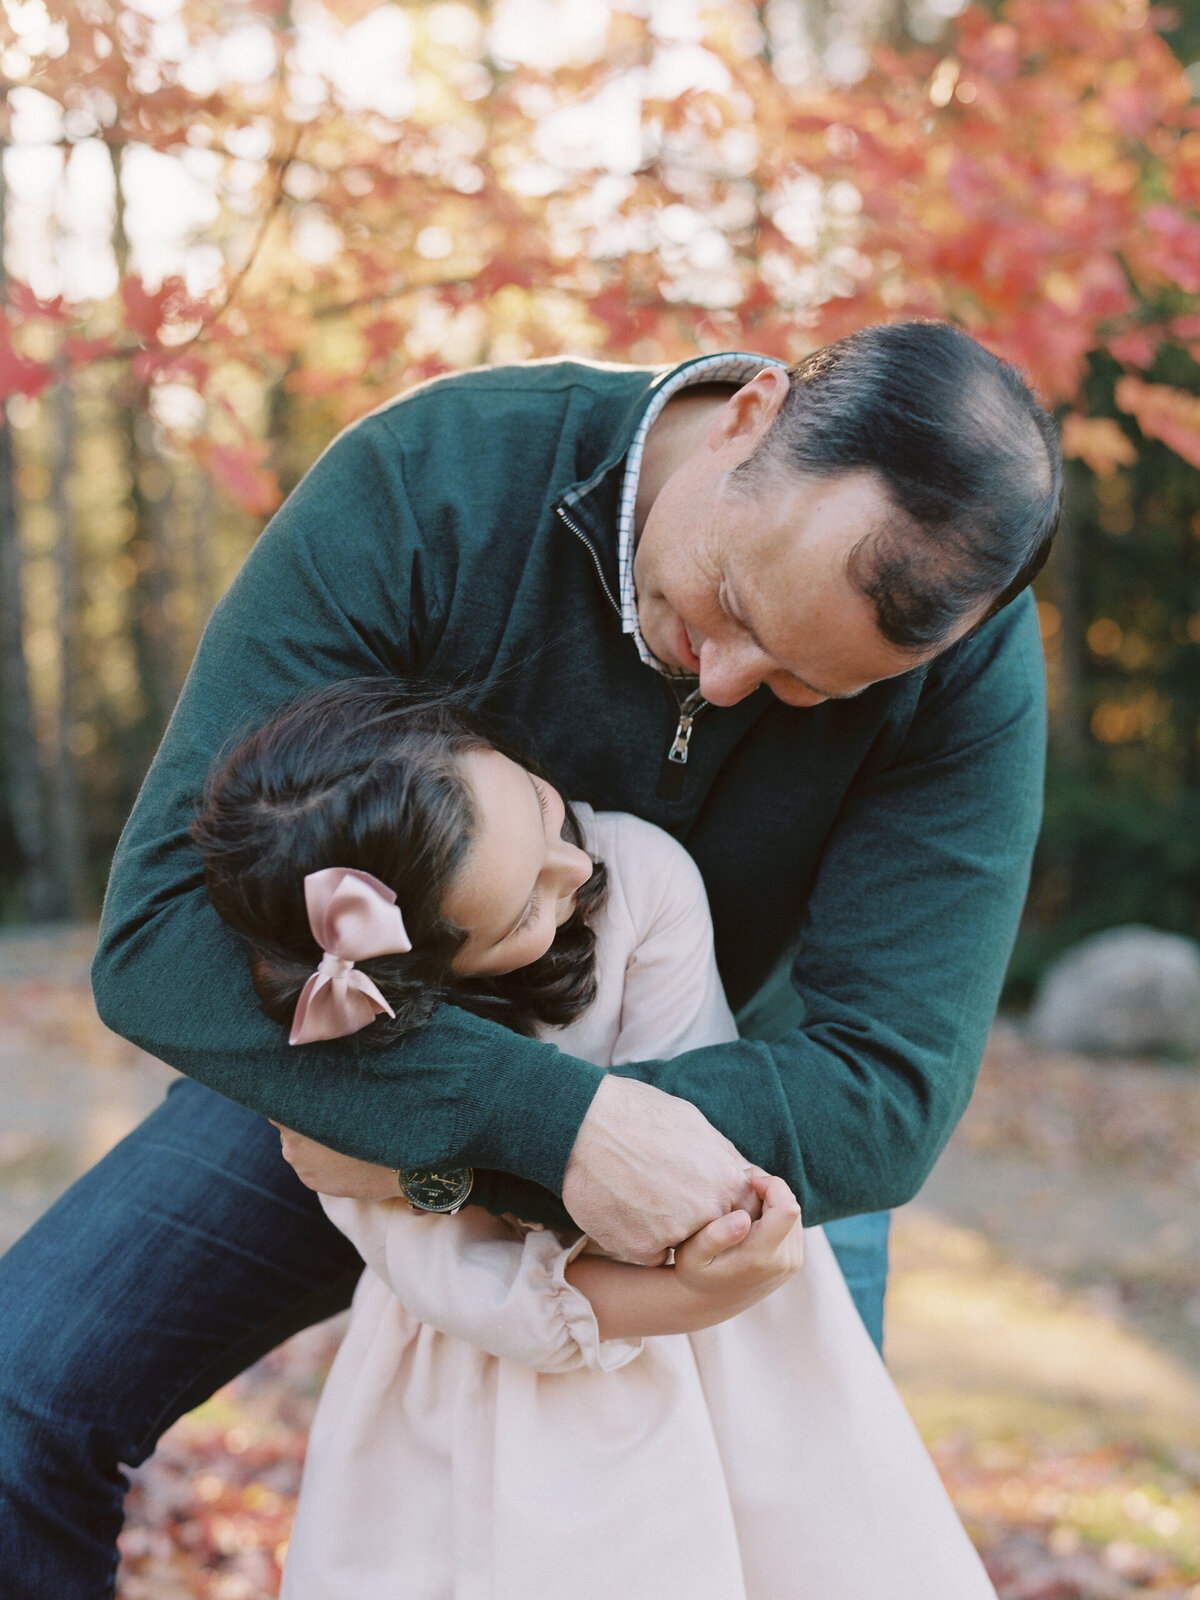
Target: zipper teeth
[(692, 715), (686, 724), (702, 705), (587, 545)]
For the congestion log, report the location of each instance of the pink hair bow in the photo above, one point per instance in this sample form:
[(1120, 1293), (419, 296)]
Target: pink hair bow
[(353, 917)]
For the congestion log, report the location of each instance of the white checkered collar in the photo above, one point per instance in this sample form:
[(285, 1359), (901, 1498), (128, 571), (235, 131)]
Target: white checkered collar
[(730, 367)]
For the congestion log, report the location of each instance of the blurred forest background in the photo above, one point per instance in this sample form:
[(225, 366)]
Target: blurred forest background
[(232, 226)]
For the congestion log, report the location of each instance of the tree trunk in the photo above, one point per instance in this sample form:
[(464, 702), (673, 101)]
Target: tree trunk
[(22, 825), (1069, 730), (149, 480), (202, 528), (26, 877), (68, 846)]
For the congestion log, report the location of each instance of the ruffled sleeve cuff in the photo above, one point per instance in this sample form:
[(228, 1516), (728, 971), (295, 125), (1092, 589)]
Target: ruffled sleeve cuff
[(579, 1320)]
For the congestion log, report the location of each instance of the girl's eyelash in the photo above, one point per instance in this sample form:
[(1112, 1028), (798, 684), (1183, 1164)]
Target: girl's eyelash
[(535, 902)]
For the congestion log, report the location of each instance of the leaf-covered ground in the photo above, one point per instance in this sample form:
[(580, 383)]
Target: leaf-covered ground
[(209, 1516)]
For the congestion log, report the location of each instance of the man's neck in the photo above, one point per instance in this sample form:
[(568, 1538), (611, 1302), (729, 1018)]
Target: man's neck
[(674, 435)]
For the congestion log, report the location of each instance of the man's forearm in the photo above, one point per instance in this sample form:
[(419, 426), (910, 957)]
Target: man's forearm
[(462, 1090)]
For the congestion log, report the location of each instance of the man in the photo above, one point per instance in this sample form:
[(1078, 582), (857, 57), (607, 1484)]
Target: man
[(766, 611)]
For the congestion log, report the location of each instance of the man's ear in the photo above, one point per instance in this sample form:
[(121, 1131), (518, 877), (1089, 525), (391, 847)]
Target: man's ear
[(746, 415)]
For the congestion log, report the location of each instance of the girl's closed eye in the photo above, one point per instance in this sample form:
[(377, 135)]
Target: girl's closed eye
[(518, 881), (535, 905)]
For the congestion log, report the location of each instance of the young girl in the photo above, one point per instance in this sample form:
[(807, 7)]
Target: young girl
[(510, 1415)]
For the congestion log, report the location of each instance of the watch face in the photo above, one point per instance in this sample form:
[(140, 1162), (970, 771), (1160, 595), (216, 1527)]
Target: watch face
[(436, 1189)]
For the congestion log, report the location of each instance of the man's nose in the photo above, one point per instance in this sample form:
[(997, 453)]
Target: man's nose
[(729, 671)]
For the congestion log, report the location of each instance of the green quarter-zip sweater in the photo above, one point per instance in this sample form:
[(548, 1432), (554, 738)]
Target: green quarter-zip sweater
[(468, 531)]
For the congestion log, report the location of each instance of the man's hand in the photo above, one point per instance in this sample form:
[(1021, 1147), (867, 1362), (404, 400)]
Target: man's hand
[(330, 1172), (648, 1170)]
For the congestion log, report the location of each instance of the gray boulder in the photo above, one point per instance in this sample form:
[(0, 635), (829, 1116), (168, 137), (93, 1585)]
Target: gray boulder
[(1128, 991)]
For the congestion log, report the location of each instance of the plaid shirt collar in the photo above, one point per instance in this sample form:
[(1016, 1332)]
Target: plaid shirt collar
[(736, 368)]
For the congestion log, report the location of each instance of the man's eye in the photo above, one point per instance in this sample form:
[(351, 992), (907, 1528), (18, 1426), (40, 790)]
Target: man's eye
[(723, 602), (530, 915), (541, 794)]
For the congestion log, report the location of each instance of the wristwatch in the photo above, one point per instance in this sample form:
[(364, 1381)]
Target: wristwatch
[(436, 1188)]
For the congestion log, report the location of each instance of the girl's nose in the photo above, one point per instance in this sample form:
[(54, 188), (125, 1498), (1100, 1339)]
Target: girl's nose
[(574, 867)]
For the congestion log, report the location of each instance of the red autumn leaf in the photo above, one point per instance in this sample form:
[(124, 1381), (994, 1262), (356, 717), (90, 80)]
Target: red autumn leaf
[(382, 338), (146, 312), (1173, 246), (239, 470), (313, 383), (1135, 348), (758, 301), (82, 352), (146, 365), (1051, 347), (1187, 331), (422, 371), (627, 322), (1164, 413), (24, 304), (505, 271), (20, 374)]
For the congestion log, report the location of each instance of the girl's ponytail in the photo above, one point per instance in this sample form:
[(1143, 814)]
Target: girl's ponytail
[(278, 978)]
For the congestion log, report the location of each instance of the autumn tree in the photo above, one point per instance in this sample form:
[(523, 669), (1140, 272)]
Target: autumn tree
[(386, 192)]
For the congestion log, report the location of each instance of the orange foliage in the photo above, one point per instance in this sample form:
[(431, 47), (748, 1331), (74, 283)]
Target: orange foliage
[(1035, 178), (1098, 442), (1163, 413)]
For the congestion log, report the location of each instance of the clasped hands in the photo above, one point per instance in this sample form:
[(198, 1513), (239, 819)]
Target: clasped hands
[(647, 1170)]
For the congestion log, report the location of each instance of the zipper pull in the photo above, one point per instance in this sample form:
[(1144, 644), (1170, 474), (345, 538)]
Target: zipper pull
[(671, 774), (683, 737)]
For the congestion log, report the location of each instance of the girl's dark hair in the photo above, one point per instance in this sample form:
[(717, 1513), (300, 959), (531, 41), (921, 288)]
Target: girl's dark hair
[(366, 774)]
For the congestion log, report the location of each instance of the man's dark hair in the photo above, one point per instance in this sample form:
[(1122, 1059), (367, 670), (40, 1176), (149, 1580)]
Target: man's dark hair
[(970, 461)]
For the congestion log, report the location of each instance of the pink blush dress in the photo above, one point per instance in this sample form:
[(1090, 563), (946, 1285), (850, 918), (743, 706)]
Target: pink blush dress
[(478, 1440)]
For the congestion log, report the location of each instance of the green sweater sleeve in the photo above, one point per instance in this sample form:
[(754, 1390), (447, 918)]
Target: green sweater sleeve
[(340, 584)]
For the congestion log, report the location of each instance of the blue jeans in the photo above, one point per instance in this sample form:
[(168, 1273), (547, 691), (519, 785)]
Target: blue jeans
[(861, 1247), (188, 1252)]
